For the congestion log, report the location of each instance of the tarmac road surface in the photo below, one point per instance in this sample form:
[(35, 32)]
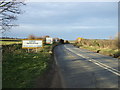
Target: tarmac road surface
[(80, 68)]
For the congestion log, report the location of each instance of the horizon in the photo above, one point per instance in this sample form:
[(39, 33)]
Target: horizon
[(111, 38)]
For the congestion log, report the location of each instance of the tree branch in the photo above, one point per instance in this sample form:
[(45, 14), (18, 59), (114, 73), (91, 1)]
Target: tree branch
[(8, 12)]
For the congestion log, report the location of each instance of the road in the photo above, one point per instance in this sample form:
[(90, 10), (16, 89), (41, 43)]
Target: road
[(80, 68)]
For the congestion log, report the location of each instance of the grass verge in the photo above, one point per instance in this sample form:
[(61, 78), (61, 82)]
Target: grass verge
[(20, 68), (105, 51)]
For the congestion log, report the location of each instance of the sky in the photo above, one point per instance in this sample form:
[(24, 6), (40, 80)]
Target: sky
[(67, 20)]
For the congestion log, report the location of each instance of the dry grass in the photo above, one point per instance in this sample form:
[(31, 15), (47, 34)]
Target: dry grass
[(117, 40), (106, 46), (100, 43)]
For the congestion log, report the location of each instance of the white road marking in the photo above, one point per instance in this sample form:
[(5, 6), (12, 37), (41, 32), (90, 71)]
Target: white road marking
[(97, 63)]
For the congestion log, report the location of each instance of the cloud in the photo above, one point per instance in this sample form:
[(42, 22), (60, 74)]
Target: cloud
[(62, 13), (59, 28), (65, 18), (72, 0), (63, 31)]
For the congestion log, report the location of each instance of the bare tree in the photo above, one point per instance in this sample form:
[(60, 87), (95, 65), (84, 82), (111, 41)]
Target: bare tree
[(9, 9), (32, 37)]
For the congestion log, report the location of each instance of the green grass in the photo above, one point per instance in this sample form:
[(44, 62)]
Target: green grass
[(21, 68), (8, 39), (9, 42)]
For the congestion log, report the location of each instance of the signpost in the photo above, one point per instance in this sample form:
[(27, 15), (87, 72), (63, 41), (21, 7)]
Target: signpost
[(32, 44), (49, 40), (79, 39)]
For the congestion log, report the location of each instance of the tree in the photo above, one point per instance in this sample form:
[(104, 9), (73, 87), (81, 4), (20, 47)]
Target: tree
[(9, 9), (61, 41), (32, 37), (46, 36), (67, 42)]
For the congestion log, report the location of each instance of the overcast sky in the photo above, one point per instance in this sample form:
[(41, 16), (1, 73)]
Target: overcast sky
[(93, 20)]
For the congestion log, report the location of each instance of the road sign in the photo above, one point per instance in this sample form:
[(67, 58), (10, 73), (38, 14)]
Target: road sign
[(49, 40), (79, 39), (32, 43)]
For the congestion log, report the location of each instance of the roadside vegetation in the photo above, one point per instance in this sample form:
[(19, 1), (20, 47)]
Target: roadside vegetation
[(104, 46), (20, 68)]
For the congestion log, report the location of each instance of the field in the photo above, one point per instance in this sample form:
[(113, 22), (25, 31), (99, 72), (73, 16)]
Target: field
[(10, 41), (20, 68), (103, 46)]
